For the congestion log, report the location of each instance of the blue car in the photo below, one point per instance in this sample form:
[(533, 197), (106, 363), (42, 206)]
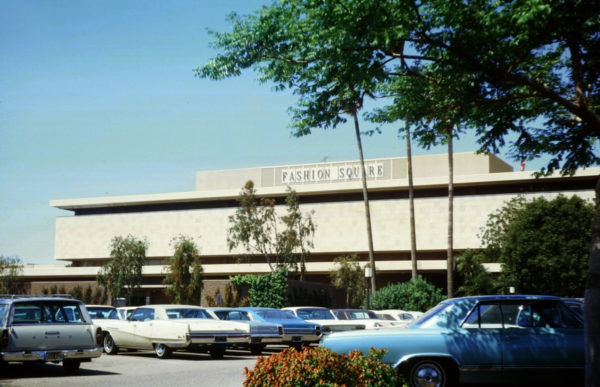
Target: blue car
[(480, 339), (296, 332)]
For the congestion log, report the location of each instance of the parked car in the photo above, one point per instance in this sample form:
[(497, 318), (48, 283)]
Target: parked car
[(261, 332), (368, 318), (478, 339), (167, 328), (296, 332), (325, 318), (397, 315), (101, 312), (47, 329)]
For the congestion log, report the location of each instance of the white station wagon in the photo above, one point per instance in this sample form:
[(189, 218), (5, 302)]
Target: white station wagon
[(47, 329), (166, 328)]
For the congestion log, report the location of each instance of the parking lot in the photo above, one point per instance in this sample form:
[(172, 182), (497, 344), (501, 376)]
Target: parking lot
[(141, 368)]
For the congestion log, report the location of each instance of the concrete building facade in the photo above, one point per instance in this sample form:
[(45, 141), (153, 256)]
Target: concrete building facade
[(331, 192)]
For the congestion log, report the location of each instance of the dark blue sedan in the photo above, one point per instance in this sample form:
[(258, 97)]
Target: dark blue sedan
[(296, 332), (480, 339)]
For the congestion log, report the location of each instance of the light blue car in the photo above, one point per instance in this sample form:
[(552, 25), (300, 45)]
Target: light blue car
[(480, 339), (296, 332)]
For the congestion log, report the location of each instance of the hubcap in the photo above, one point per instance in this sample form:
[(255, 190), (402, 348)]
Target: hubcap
[(428, 375), (160, 349), (108, 344)]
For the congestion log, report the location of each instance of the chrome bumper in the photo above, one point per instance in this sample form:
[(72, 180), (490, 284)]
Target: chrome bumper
[(52, 355)]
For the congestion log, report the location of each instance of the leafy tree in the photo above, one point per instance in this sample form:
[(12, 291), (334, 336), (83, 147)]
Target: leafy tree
[(419, 295), (123, 273), (493, 235), (268, 290), (349, 276), (546, 247), (283, 240), (473, 278), (11, 278), (184, 277)]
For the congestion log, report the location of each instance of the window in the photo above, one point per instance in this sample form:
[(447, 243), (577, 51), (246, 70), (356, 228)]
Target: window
[(188, 313), (142, 314), (47, 312), (485, 316)]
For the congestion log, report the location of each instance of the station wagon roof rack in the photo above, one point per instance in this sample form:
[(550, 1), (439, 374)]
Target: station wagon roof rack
[(13, 296)]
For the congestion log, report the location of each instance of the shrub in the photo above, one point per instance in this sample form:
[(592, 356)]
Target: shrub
[(268, 290), (77, 292), (320, 366), (417, 296)]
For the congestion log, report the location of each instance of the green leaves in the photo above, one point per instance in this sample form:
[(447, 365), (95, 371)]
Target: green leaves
[(123, 273), (184, 277), (11, 270), (413, 296), (349, 276)]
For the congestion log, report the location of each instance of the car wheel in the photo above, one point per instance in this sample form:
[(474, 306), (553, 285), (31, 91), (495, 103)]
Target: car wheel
[(109, 345), (217, 351), (71, 366), (162, 351), (430, 373)]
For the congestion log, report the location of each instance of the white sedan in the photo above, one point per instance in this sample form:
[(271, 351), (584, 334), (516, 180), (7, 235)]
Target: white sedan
[(325, 318), (165, 328)]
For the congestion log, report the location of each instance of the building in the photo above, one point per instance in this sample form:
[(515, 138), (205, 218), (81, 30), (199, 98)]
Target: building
[(331, 191)]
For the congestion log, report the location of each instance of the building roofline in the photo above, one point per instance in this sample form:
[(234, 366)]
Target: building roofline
[(497, 178)]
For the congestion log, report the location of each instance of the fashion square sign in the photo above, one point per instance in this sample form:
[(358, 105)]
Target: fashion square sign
[(329, 173)]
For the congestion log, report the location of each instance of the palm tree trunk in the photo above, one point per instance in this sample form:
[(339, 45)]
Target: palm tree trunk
[(450, 258), (592, 304), (411, 201), (366, 199)]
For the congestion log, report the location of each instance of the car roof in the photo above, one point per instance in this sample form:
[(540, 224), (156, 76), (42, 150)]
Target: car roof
[(504, 297), (11, 298)]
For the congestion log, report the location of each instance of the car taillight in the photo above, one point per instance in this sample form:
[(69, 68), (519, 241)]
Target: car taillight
[(99, 337), (4, 339)]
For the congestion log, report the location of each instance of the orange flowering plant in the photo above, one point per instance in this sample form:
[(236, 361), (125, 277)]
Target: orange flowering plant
[(318, 366)]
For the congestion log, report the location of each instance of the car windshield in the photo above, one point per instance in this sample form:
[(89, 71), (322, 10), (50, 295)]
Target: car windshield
[(102, 313), (446, 315), (314, 314), (276, 314), (234, 315), (188, 313), (47, 312)]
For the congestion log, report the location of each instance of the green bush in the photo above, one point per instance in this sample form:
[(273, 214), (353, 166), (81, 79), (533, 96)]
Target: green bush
[(417, 296), (323, 367), (267, 290)]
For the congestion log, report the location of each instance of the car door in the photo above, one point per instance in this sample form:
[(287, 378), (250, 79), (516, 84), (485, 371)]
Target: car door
[(478, 344), (541, 334), (142, 321)]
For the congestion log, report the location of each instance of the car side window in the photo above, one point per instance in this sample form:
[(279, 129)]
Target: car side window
[(485, 316), (142, 314)]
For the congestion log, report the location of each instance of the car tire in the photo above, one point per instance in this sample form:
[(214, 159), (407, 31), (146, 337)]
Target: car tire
[(71, 366), (110, 348), (432, 372), (217, 351), (162, 351)]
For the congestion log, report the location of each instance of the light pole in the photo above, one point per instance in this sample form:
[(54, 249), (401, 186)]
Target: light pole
[(368, 277)]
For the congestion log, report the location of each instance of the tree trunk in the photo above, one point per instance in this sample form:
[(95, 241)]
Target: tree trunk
[(411, 203), (366, 199), (592, 304), (450, 258)]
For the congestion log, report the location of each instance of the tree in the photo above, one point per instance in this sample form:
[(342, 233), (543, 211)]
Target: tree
[(493, 235), (473, 278), (546, 247), (283, 241), (411, 205), (123, 273), (266, 290), (525, 74), (350, 277), (288, 45), (184, 276), (11, 279)]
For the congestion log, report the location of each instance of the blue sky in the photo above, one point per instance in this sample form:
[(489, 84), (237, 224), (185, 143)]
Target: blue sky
[(98, 98)]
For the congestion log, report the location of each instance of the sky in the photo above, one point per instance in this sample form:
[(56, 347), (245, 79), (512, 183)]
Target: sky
[(99, 98)]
